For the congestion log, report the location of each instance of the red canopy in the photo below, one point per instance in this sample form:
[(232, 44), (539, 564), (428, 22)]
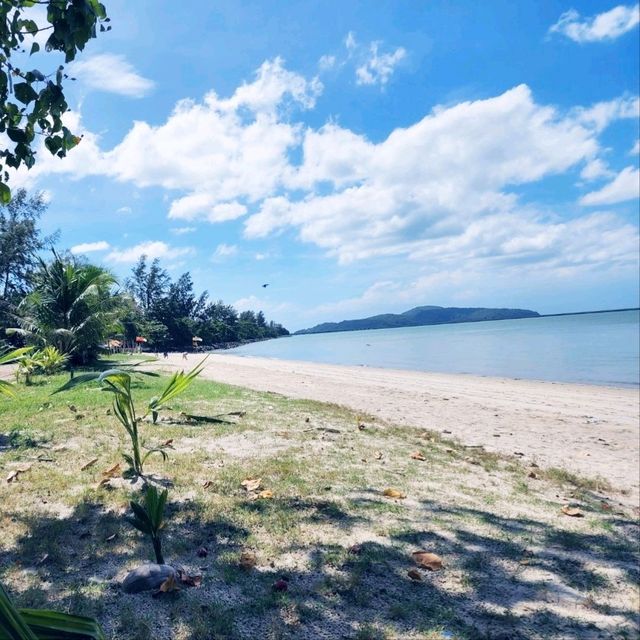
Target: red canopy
[(140, 339)]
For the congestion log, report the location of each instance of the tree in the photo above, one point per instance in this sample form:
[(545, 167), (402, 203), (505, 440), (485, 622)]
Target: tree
[(148, 285), (20, 242), (72, 308), (32, 103)]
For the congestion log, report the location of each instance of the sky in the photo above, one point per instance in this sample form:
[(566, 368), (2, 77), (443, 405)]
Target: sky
[(359, 157)]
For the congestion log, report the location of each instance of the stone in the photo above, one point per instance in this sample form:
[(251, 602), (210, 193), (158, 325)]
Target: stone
[(147, 577)]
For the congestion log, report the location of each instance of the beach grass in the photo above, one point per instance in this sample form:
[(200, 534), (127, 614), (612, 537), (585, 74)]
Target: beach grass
[(513, 563)]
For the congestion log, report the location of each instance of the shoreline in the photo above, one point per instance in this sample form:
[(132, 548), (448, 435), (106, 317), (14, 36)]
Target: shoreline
[(589, 430)]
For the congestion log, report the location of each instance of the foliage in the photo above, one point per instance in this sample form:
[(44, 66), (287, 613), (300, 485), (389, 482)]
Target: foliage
[(33, 103), (16, 355), (72, 308), (169, 313), (46, 361), (118, 382), (33, 624), (149, 518)]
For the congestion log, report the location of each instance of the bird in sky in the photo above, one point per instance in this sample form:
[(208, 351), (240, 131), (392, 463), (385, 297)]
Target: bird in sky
[(264, 286)]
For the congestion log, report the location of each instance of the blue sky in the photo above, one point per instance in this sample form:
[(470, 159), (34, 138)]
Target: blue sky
[(361, 157)]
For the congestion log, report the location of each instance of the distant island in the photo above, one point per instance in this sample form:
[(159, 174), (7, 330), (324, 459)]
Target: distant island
[(420, 316)]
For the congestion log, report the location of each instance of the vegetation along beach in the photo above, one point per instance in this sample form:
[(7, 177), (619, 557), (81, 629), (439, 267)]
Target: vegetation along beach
[(319, 320)]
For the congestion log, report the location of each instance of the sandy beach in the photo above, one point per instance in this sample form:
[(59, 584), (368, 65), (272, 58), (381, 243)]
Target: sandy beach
[(589, 430)]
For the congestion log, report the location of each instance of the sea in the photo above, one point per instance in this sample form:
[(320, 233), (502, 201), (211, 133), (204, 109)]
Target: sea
[(591, 348)]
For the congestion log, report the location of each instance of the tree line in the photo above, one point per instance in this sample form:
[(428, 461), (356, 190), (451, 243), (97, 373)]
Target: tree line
[(50, 297)]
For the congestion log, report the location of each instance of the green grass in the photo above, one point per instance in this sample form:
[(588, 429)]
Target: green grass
[(343, 548)]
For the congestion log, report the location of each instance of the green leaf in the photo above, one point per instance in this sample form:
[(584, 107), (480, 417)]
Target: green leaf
[(5, 193), (24, 92), (51, 625), (35, 47)]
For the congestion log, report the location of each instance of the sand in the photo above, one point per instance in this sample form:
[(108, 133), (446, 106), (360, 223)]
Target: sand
[(590, 430)]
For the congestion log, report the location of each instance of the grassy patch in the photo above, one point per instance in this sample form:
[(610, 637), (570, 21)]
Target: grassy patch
[(342, 548)]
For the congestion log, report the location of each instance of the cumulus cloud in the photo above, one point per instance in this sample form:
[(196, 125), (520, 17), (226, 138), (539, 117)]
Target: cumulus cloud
[(111, 73), (151, 249), (605, 26), (625, 186), (378, 67), (595, 169), (88, 247), (124, 210), (441, 187)]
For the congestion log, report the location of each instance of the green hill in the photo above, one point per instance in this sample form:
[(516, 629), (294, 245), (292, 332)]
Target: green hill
[(420, 316)]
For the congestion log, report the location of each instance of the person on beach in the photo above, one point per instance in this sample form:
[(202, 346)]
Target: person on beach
[(165, 355), (184, 355)]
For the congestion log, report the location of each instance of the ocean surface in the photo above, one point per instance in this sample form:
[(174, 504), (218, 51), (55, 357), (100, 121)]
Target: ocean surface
[(594, 348)]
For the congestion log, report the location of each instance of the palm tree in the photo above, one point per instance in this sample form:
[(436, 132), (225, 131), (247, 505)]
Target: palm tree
[(72, 308)]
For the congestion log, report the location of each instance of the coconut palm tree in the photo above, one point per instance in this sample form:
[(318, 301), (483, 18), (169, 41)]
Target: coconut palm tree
[(72, 308)]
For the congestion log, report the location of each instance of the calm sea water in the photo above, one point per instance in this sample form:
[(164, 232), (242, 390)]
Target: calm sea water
[(595, 348)]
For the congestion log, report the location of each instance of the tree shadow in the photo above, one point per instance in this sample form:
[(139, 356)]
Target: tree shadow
[(504, 577)]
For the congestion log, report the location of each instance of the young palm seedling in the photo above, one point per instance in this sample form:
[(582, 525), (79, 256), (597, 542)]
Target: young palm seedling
[(118, 382), (149, 518)]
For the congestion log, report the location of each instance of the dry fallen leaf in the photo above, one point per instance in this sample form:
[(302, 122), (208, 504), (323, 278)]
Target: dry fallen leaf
[(574, 512), (248, 560), (206, 484), (13, 476), (113, 472), (417, 455), (378, 455), (167, 443), (533, 475), (414, 574), (91, 462), (169, 584), (428, 560), (251, 484), (188, 580), (267, 494), (393, 493)]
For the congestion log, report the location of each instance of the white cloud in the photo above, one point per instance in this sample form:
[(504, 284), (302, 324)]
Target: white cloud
[(180, 231), (350, 41), (111, 73), (124, 210), (151, 249), (224, 251), (604, 26), (327, 62), (379, 67), (635, 150), (625, 186), (595, 169), (428, 180), (88, 247), (602, 114)]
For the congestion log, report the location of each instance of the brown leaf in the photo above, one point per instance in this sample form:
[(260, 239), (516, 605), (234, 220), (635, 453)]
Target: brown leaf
[(252, 484), (91, 462), (13, 476), (415, 575), (574, 512), (248, 560), (417, 455), (188, 580), (113, 472), (103, 483), (167, 443), (207, 484), (280, 585), (533, 475), (393, 493), (378, 455), (267, 494), (169, 584), (428, 560)]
